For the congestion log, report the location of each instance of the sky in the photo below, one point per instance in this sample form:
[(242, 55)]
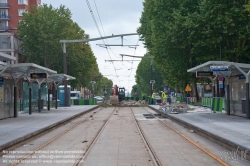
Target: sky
[(115, 17)]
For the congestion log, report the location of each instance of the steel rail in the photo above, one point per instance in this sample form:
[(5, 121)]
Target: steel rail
[(192, 142), (150, 150), (91, 145), (46, 143)]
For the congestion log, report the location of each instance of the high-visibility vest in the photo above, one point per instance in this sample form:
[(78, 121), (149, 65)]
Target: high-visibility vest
[(153, 95), (163, 95)]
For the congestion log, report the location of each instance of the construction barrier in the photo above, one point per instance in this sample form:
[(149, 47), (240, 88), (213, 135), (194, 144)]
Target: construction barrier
[(150, 101), (83, 102), (179, 98), (217, 104), (192, 101), (136, 98), (206, 102), (185, 99)]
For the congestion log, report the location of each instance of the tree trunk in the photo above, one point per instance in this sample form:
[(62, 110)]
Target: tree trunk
[(196, 91)]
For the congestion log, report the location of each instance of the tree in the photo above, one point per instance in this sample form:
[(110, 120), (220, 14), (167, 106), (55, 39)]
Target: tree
[(40, 32), (184, 33), (143, 77)]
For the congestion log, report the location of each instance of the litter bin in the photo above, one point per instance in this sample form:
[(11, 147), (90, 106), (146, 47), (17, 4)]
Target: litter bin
[(40, 104)]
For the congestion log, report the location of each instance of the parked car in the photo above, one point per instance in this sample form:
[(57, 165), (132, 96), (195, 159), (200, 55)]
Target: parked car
[(75, 94), (98, 98)]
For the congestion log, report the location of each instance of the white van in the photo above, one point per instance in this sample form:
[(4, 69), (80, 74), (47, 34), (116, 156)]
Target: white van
[(75, 94)]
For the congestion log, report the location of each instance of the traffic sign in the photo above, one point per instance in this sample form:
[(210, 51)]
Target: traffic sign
[(220, 78), (188, 88)]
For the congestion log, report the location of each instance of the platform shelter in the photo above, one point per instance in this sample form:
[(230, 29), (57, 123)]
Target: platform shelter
[(57, 80), (10, 75), (237, 76)]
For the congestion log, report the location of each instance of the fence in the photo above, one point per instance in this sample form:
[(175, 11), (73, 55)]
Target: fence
[(83, 102)]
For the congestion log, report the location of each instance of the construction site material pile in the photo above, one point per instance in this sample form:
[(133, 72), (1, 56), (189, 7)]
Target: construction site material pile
[(139, 103), (182, 105)]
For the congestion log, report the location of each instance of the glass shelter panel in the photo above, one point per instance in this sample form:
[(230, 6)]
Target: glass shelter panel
[(238, 95), (34, 94)]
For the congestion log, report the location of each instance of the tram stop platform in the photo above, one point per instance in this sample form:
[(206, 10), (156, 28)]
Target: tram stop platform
[(230, 131), (14, 130)]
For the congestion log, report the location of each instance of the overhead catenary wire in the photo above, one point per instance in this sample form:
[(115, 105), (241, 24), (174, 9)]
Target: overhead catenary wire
[(104, 32), (132, 61), (100, 20), (93, 16), (104, 42)]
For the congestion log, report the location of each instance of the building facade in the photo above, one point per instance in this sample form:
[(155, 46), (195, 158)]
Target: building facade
[(11, 13)]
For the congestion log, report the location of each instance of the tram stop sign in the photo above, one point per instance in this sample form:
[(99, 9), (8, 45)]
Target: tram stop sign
[(188, 88)]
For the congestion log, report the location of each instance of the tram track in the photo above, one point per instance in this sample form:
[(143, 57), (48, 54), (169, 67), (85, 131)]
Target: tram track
[(41, 132), (84, 156), (149, 148), (121, 117), (58, 136), (189, 140), (140, 138)]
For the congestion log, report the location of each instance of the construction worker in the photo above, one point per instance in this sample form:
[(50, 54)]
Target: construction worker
[(163, 97), (153, 97)]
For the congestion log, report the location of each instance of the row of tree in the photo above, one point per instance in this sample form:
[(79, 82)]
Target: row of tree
[(182, 34), (40, 32)]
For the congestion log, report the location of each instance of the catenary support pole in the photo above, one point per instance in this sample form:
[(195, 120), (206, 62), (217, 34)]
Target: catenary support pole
[(151, 90), (66, 95)]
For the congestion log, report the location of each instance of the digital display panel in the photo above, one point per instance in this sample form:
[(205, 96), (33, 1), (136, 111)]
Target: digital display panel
[(204, 74), (38, 75)]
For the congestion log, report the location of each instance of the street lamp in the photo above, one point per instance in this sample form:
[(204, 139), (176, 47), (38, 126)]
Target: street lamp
[(93, 90), (152, 82)]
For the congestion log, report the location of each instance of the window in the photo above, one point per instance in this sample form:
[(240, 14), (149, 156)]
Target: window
[(3, 1), (3, 23), (3, 12), (4, 45), (23, 2), (20, 12)]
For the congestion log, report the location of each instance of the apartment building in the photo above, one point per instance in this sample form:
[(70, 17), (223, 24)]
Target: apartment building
[(11, 13)]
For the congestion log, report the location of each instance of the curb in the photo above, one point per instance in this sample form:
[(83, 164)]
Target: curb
[(215, 138), (40, 131)]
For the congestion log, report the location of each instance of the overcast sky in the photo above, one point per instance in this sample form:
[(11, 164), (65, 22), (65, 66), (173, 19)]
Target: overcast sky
[(117, 17)]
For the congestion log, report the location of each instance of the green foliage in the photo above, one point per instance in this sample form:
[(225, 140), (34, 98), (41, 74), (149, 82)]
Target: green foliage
[(182, 34), (41, 30), (143, 77), (135, 92)]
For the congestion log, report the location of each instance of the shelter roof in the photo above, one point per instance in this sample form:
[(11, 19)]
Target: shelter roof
[(59, 77), (233, 67), (23, 70)]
